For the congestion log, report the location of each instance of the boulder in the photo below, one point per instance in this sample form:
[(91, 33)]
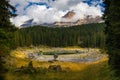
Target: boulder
[(55, 67)]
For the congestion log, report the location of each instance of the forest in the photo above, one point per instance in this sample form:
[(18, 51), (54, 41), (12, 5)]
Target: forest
[(88, 35)]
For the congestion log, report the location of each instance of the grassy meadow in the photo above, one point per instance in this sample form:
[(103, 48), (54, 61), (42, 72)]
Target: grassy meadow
[(98, 70)]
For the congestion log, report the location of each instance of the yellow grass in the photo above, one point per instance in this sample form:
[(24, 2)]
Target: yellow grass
[(77, 71), (18, 54), (20, 61), (18, 57)]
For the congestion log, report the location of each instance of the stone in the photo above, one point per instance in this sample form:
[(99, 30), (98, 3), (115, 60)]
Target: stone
[(51, 61), (55, 67)]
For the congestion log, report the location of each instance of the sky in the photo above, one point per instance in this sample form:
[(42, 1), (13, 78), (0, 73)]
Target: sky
[(50, 11)]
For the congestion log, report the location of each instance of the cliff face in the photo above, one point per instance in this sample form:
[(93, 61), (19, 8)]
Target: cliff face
[(69, 15)]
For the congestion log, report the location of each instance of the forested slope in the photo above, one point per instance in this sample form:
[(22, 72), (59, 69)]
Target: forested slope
[(89, 35)]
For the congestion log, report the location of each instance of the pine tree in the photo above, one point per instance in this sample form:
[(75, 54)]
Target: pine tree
[(112, 19), (6, 28)]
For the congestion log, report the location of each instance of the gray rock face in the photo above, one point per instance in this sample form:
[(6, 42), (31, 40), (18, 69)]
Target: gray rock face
[(69, 15)]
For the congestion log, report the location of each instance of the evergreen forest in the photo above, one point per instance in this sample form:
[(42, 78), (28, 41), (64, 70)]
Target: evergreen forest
[(89, 35)]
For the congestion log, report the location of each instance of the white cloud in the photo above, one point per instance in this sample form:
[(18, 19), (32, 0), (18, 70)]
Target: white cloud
[(21, 4), (85, 9), (42, 14), (19, 20)]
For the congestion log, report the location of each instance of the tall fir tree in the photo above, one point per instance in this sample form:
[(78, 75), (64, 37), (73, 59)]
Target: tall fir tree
[(6, 32), (112, 19), (6, 28)]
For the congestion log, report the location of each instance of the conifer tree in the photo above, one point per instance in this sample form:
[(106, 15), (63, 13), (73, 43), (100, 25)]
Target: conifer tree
[(6, 28), (6, 32), (112, 19)]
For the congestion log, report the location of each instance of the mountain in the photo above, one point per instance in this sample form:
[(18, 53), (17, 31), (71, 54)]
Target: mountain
[(27, 23), (67, 21), (86, 20), (69, 15)]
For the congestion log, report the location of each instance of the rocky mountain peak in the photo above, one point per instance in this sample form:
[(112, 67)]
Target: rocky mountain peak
[(69, 15), (87, 20)]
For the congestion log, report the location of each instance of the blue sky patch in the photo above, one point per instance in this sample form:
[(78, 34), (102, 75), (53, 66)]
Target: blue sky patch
[(35, 3), (17, 5)]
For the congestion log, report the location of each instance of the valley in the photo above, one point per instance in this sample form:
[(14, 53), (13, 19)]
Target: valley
[(59, 40)]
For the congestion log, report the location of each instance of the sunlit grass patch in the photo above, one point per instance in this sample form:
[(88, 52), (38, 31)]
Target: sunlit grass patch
[(18, 54), (76, 71)]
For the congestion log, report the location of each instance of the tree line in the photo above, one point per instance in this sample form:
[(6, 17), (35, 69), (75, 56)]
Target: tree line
[(89, 35)]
